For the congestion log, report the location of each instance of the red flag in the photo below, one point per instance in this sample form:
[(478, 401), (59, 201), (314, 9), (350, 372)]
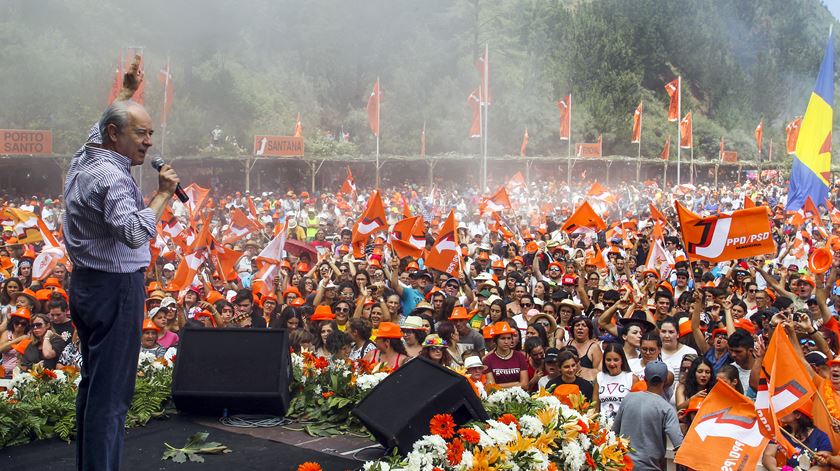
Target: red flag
[(240, 226), (373, 108), (475, 103), (165, 77), (584, 218), (759, 135), (423, 141), (117, 84), (666, 151), (524, 143), (483, 66), (686, 138), (372, 221), (445, 254), (725, 433), (792, 133), (496, 202), (565, 107), (408, 237), (349, 185), (673, 89), (299, 126), (637, 125), (198, 198), (722, 149)]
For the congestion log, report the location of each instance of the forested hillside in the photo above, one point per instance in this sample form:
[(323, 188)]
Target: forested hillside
[(250, 66)]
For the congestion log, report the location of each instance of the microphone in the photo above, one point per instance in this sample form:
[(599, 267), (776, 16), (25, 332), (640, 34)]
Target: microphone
[(157, 164)]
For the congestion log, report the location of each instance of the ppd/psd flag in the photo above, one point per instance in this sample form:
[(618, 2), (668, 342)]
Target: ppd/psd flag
[(728, 236), (811, 170)]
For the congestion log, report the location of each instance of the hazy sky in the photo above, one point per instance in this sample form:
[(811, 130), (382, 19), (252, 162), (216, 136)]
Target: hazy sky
[(833, 6)]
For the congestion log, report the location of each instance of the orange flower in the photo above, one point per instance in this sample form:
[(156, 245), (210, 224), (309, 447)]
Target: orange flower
[(454, 450), (469, 435), (321, 363), (328, 394), (589, 461), (443, 425), (552, 467), (309, 466), (49, 374), (583, 427), (508, 419), (628, 463)]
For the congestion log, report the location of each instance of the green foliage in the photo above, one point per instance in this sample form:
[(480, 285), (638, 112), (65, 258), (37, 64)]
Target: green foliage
[(193, 449), (251, 66)]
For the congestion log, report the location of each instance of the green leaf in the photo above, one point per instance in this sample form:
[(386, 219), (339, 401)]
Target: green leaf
[(180, 457), (196, 458)]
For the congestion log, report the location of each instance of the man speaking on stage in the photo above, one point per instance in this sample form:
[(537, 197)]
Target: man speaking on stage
[(107, 228)]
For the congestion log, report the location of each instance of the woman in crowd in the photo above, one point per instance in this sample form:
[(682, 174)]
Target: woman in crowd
[(507, 367), (324, 329), (342, 309), (584, 342), (413, 335), (613, 382), (390, 350), (17, 331), (338, 345), (672, 350), (799, 425), (289, 319), (43, 345), (447, 331), (729, 374), (569, 364), (7, 306), (24, 272), (498, 312), (360, 332), (534, 350), (698, 383), (435, 349), (166, 338)]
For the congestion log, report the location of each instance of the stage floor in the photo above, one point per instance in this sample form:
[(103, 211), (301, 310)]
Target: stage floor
[(253, 449)]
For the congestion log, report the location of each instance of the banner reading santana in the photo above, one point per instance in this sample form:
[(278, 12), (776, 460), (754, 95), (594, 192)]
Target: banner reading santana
[(278, 146), (728, 236), (25, 142)]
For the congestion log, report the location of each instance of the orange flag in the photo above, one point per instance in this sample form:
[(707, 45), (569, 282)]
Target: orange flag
[(240, 226), (408, 237), (637, 125), (373, 108), (117, 84), (792, 134), (517, 180), (225, 260), (686, 137), (524, 143), (298, 126), (788, 388), (194, 256), (656, 214), (372, 221), (584, 218), (666, 151), (725, 433), (759, 135), (501, 227), (198, 199), (445, 254), (728, 236), (812, 211), (673, 90), (598, 191), (349, 185), (406, 210), (748, 202), (597, 258), (496, 202), (474, 101), (565, 107)]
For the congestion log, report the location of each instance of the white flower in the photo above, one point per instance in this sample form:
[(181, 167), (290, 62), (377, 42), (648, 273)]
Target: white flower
[(550, 402), (60, 377), (466, 460), (157, 366), (145, 357), (585, 442), (516, 394), (376, 466), (530, 426), (367, 382), (77, 380), (575, 456), (500, 433), (170, 353)]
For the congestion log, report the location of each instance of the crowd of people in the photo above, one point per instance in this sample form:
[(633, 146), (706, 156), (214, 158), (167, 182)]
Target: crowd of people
[(533, 307)]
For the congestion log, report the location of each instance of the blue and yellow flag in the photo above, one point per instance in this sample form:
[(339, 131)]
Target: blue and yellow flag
[(811, 171)]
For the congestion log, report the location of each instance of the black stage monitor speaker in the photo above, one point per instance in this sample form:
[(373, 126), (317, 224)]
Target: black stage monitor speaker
[(398, 410), (238, 371)]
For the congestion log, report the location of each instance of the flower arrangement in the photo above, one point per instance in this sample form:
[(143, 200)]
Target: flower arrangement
[(327, 391), (41, 403), (539, 432)]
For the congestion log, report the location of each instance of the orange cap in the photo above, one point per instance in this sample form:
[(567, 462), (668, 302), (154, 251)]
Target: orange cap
[(148, 324), (52, 283), (214, 296), (460, 313), (23, 313), (502, 328), (389, 330), (297, 302)]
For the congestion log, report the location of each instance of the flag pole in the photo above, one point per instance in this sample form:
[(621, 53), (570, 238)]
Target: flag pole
[(486, 106), (691, 159), (165, 116), (569, 156), (378, 129), (639, 156), (679, 118), (481, 137), (770, 151)]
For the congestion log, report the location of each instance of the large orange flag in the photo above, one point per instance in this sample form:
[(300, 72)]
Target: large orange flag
[(225, 260), (728, 236), (372, 221), (686, 135), (584, 218), (496, 202), (637, 125), (373, 105), (788, 388), (408, 237), (517, 180), (725, 433), (445, 254), (792, 134), (673, 90)]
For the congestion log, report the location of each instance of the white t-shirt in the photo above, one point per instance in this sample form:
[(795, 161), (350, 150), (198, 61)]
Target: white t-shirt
[(611, 391), (673, 360)]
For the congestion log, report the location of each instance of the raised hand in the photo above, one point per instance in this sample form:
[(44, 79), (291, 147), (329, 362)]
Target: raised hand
[(132, 79)]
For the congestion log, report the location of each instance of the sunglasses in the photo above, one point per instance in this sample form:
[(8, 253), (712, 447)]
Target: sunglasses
[(20, 322), (525, 304), (752, 290), (39, 324), (342, 309), (436, 349)]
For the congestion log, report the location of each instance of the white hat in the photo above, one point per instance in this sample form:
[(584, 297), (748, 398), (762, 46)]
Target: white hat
[(168, 301), (153, 311), (473, 361), (169, 266), (413, 323)]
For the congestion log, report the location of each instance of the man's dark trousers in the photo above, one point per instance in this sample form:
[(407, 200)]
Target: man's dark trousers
[(107, 309)]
